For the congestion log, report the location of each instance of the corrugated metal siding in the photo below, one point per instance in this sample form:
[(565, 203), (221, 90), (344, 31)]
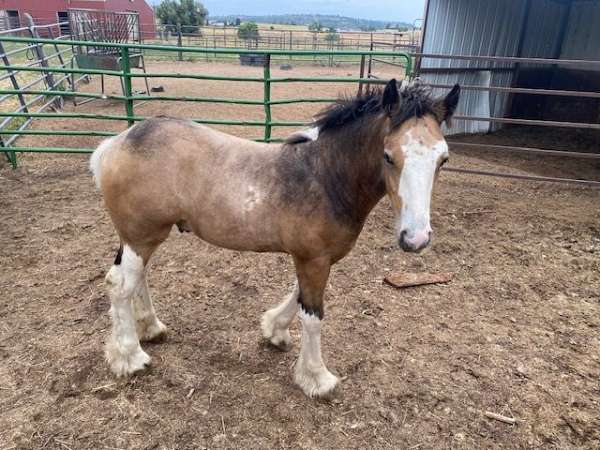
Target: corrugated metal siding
[(582, 40), (480, 27), (543, 29), (473, 27)]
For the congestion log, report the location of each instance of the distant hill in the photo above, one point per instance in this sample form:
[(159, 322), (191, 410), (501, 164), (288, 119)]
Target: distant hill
[(338, 22)]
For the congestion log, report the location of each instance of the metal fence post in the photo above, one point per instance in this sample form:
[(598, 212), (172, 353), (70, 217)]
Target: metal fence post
[(12, 156), (179, 44), (61, 62), (126, 69), (370, 69), (267, 96), (362, 74), (39, 51)]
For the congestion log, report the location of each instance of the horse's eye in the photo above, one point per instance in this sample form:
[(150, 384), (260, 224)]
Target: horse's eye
[(388, 158), (444, 161)]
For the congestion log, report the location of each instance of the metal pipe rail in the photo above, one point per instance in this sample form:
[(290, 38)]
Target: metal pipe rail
[(18, 50), (391, 63), (540, 123), (128, 99), (515, 90), (510, 148), (511, 59), (14, 30), (590, 183), (225, 51)]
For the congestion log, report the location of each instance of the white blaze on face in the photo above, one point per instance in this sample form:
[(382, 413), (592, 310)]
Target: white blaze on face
[(415, 187)]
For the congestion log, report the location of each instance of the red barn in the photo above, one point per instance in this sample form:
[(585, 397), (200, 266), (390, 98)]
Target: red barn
[(12, 12)]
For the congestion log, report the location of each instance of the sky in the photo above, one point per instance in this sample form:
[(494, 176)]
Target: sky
[(388, 10)]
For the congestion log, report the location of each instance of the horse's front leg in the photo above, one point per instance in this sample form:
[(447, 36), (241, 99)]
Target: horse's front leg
[(147, 324), (310, 371), (275, 322)]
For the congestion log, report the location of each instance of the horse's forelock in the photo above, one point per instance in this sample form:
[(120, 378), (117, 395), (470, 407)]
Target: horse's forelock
[(415, 101)]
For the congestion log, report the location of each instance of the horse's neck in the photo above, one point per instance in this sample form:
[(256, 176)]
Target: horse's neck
[(352, 169)]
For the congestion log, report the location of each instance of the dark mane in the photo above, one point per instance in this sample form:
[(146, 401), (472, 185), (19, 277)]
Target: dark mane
[(415, 101)]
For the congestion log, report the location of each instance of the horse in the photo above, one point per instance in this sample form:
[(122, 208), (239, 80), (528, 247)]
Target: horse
[(308, 197)]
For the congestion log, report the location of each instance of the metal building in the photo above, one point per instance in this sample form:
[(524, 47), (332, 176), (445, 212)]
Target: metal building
[(565, 30)]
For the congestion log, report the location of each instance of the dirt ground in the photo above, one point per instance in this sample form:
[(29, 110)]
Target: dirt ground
[(517, 332)]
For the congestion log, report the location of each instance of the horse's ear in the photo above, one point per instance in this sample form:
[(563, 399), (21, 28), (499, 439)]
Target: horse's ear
[(449, 104), (390, 96)]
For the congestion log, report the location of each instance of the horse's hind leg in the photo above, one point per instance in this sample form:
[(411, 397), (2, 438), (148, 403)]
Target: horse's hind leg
[(123, 351), (147, 324), (275, 322)]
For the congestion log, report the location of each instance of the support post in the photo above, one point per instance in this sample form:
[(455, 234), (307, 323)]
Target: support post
[(179, 54), (126, 68), (267, 97), (421, 49), (12, 156), (39, 52), (370, 70), (61, 62), (362, 75)]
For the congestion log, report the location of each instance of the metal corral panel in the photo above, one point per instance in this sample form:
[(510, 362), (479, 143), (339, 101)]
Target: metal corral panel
[(473, 27), (479, 27), (582, 40)]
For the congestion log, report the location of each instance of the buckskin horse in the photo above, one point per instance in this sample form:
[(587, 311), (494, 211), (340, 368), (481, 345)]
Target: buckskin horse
[(308, 197)]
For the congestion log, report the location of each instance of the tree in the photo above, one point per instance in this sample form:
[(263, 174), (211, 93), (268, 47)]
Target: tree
[(248, 31), (187, 13), (332, 36), (315, 26)]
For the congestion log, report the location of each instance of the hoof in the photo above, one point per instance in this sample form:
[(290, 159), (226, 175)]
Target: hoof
[(123, 364), (277, 337), (282, 341), (320, 383), (154, 332)]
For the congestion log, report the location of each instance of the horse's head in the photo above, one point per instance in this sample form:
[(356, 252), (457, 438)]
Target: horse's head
[(414, 152)]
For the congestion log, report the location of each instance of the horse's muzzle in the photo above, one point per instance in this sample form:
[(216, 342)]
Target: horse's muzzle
[(414, 242)]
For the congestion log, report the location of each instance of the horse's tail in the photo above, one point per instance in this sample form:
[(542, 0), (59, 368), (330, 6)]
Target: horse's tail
[(97, 157)]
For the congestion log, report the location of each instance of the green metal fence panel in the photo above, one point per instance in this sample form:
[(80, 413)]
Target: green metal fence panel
[(126, 75)]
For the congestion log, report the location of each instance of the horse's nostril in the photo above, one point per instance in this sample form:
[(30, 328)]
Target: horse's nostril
[(402, 241)]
